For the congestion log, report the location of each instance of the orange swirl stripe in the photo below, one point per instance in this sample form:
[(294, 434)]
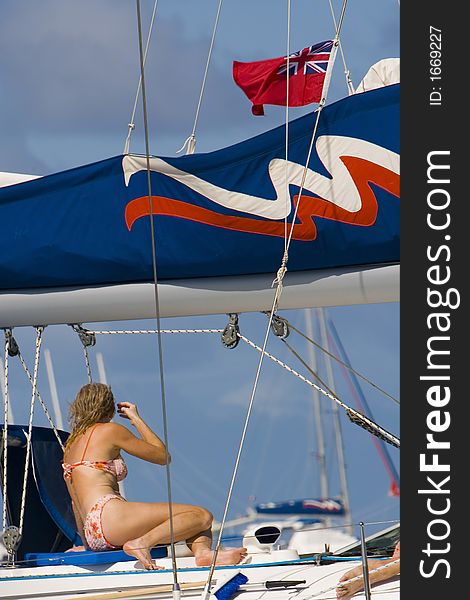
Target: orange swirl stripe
[(363, 173)]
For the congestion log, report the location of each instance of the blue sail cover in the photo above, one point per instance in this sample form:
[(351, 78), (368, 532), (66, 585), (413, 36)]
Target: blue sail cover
[(220, 213)]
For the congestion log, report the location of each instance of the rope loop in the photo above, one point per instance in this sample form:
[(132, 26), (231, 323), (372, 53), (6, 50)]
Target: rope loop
[(189, 144), (282, 270)]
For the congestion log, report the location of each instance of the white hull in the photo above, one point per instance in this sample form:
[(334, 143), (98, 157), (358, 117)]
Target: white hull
[(68, 582), (203, 296)]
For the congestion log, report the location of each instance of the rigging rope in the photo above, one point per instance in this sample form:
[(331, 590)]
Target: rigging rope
[(361, 419), (278, 282), (347, 73), (190, 142), (46, 412), (131, 125), (87, 339), (145, 331), (342, 363), (9, 343), (5, 429), (39, 331), (306, 337), (157, 304), (87, 364), (287, 124), (356, 417), (206, 593)]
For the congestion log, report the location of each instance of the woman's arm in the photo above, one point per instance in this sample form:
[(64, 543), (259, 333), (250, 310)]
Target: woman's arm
[(389, 569), (150, 447), (386, 570)]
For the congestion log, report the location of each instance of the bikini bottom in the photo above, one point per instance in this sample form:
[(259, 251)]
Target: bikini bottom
[(93, 528)]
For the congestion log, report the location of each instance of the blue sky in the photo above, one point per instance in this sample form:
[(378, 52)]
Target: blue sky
[(67, 90)]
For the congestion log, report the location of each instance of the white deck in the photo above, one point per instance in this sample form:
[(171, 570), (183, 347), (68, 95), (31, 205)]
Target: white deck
[(70, 582)]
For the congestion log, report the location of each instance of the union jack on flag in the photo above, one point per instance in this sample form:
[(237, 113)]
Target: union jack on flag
[(311, 60)]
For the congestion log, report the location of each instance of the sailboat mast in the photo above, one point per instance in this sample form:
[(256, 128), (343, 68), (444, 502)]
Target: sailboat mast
[(343, 481), (101, 369), (53, 389), (324, 491)]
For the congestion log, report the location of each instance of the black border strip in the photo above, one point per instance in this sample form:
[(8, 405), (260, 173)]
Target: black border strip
[(434, 236)]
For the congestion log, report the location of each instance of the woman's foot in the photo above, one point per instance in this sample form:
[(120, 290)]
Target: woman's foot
[(137, 549), (228, 556)]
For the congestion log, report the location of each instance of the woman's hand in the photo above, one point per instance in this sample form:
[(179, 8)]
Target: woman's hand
[(128, 411)]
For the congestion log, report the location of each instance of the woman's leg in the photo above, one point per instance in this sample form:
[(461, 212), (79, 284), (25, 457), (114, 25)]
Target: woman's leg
[(138, 526)]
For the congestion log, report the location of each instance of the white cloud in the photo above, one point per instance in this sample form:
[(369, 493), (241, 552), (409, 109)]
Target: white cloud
[(76, 66)]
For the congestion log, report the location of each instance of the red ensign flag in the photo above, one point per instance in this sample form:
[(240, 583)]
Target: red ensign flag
[(264, 81)]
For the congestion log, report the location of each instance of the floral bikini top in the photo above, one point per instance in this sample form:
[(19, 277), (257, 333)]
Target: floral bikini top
[(116, 466)]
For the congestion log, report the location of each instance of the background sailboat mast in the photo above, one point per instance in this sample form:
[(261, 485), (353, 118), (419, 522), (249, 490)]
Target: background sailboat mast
[(321, 455), (343, 481), (101, 369), (53, 389)]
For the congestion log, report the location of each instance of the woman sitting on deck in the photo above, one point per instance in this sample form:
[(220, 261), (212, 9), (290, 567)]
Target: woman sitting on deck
[(93, 465)]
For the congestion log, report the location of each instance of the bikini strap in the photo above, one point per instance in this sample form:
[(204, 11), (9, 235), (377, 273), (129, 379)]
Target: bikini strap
[(88, 441)]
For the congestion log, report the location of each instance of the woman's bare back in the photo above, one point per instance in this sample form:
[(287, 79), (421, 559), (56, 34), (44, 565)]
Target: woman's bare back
[(85, 483)]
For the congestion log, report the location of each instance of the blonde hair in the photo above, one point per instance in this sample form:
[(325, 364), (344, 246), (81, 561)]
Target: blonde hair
[(93, 403)]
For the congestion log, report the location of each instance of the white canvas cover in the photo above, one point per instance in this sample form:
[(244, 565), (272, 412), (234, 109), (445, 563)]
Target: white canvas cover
[(382, 73)]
